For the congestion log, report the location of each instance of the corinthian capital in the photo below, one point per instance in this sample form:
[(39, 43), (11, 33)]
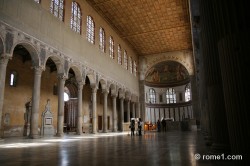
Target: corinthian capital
[(62, 76)]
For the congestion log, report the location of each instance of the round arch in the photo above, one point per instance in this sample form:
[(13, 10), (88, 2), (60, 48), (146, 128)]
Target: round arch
[(91, 78), (103, 83), (58, 62), (1, 46), (33, 51), (167, 73), (77, 72)]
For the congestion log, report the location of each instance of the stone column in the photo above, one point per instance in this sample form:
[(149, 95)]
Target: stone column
[(60, 116), (232, 20), (195, 98), (142, 98), (35, 102), (94, 114), (138, 109), (133, 110), (114, 114), (216, 105), (3, 65), (128, 111), (79, 119), (105, 108), (122, 112)]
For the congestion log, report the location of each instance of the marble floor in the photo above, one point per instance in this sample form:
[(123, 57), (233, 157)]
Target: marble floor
[(171, 148)]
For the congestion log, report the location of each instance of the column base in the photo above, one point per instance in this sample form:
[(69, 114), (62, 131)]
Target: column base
[(78, 133), (59, 135), (34, 136), (218, 148), (208, 140)]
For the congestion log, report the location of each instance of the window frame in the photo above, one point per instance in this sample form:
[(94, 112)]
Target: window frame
[(76, 17), (102, 39), (119, 54), (125, 59), (13, 80), (152, 96), (187, 92), (57, 8), (130, 65), (90, 29), (111, 47), (170, 96)]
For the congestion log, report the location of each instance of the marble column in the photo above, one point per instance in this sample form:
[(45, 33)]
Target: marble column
[(142, 98), (133, 110), (232, 22), (216, 104), (121, 112), (128, 111), (60, 116), (195, 98), (105, 108), (94, 113), (114, 114), (138, 109), (79, 114), (3, 65), (35, 102)]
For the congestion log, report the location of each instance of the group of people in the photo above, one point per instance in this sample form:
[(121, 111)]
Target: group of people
[(161, 125), (132, 127)]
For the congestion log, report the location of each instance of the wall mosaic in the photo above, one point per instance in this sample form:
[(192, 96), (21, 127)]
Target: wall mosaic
[(166, 73)]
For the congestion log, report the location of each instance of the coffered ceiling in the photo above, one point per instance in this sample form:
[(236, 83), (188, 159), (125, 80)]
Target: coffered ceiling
[(150, 26)]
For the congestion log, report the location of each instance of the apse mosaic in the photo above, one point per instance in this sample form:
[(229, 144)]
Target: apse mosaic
[(167, 72)]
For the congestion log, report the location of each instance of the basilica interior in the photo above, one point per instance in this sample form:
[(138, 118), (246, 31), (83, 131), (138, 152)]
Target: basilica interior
[(76, 71)]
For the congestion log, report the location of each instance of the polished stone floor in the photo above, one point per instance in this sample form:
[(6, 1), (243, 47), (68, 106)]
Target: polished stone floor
[(112, 149)]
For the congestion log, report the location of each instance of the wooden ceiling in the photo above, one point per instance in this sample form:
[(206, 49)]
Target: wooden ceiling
[(150, 26)]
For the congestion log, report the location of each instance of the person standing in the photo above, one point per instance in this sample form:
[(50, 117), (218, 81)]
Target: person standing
[(132, 127), (164, 125), (159, 125), (139, 126)]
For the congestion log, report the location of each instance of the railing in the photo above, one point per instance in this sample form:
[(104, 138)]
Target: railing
[(175, 111)]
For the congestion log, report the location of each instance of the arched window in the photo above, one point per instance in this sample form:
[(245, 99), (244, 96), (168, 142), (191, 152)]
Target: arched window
[(66, 96), (130, 65), (170, 95), (90, 30), (13, 78), (125, 60), (76, 17), (152, 96), (37, 1), (111, 47), (187, 92), (135, 68), (57, 8), (102, 39), (119, 55)]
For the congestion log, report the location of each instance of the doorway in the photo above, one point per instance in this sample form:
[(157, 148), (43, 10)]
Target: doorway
[(99, 123)]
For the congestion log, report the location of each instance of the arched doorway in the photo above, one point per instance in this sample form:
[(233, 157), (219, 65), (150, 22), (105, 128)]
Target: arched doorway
[(70, 103)]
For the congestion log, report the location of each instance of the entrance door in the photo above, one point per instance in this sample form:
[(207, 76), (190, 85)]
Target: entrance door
[(99, 122)]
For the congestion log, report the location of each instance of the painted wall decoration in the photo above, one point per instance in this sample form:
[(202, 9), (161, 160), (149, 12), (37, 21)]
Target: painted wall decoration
[(167, 72)]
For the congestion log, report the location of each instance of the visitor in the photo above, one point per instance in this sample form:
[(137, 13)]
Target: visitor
[(132, 127), (159, 125), (139, 126)]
